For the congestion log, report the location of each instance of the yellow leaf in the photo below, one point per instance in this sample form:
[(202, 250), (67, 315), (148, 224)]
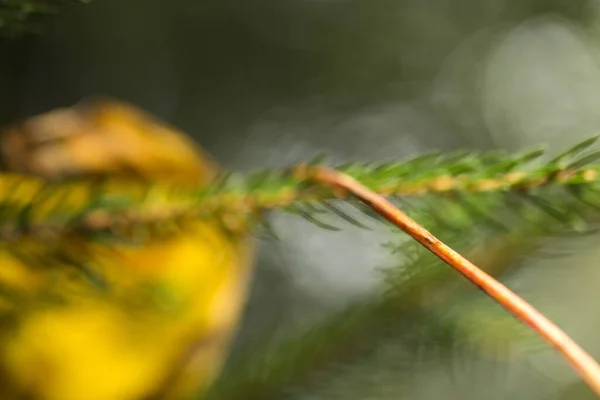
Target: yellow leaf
[(160, 322)]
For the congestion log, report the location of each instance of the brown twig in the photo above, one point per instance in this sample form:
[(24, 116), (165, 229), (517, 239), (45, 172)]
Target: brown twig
[(582, 362)]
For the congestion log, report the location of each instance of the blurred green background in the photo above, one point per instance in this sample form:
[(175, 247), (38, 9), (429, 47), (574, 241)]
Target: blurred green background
[(264, 83)]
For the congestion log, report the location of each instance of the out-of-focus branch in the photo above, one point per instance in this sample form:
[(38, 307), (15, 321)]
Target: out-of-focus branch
[(23, 16)]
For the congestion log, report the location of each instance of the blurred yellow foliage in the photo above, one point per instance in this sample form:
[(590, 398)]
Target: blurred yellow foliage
[(83, 319)]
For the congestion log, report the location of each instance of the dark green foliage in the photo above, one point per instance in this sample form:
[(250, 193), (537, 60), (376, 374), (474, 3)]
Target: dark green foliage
[(23, 16)]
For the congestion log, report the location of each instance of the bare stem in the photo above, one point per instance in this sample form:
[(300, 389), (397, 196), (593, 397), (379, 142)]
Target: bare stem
[(582, 362)]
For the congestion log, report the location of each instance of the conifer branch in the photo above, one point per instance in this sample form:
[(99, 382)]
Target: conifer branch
[(236, 200)]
